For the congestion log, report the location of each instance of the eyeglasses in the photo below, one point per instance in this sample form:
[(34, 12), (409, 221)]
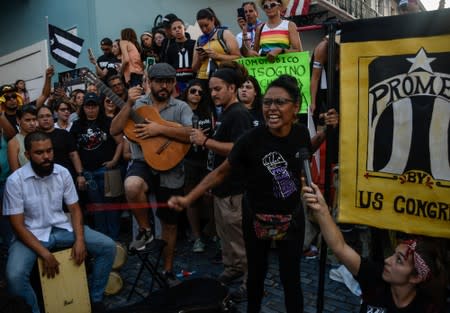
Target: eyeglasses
[(194, 91), (10, 97), (279, 102), (271, 5), (109, 101)]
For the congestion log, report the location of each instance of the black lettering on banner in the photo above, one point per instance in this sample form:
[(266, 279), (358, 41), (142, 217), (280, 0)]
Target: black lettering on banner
[(369, 199), (422, 208)]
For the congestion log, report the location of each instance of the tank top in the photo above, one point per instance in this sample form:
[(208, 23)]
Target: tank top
[(135, 64), (277, 37), (214, 44)]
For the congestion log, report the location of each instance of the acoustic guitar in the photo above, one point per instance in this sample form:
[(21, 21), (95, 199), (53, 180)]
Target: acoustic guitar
[(160, 153)]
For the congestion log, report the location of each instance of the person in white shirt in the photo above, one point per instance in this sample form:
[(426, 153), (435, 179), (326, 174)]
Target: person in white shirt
[(33, 200)]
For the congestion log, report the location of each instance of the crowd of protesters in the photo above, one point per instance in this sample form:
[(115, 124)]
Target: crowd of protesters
[(246, 140)]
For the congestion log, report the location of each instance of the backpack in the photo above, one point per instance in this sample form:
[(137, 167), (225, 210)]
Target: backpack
[(221, 40)]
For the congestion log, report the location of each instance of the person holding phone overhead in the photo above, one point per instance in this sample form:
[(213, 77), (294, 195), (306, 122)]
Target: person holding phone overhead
[(214, 46), (276, 35), (248, 21)]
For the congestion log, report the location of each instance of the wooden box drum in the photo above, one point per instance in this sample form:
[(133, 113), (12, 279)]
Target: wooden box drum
[(114, 285), (68, 291), (121, 257)]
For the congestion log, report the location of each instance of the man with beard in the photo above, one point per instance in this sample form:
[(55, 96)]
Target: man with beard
[(33, 201), (234, 121), (141, 178), (66, 153)]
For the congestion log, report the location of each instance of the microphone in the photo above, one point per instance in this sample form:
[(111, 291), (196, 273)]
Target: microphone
[(303, 155), (195, 125)]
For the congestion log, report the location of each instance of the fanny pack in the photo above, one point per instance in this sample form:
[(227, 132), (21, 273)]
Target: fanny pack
[(272, 226)]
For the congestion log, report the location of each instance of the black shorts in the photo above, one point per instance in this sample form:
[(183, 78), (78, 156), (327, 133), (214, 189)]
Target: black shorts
[(162, 194)]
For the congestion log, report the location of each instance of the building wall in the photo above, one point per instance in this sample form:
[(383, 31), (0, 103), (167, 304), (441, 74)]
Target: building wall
[(23, 24), (23, 21)]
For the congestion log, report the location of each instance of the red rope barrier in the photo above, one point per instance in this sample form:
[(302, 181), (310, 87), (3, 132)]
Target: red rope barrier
[(101, 207)]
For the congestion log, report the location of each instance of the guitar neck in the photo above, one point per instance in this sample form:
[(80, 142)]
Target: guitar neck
[(117, 100)]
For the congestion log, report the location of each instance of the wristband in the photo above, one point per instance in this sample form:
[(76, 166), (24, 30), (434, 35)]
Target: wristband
[(204, 142), (317, 64)]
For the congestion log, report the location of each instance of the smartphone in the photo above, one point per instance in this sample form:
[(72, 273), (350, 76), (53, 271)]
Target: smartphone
[(91, 53), (149, 62), (241, 13)]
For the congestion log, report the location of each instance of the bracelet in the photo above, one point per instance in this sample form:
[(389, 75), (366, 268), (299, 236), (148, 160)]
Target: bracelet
[(204, 142), (317, 64)]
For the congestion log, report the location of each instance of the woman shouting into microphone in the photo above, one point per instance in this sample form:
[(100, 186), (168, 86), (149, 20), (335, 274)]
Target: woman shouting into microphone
[(272, 208)]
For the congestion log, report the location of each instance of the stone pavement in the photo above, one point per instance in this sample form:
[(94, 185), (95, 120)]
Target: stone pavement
[(337, 297)]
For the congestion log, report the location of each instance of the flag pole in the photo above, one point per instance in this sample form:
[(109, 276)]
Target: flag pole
[(331, 102)]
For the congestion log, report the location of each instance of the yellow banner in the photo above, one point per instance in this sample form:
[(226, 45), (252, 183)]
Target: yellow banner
[(394, 134)]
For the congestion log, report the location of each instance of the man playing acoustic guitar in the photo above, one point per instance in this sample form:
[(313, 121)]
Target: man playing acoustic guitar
[(151, 143)]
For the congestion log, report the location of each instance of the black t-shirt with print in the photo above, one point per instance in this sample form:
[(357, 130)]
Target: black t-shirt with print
[(63, 145), (95, 145), (199, 154), (180, 56), (232, 123), (271, 168), (377, 296), (109, 62)]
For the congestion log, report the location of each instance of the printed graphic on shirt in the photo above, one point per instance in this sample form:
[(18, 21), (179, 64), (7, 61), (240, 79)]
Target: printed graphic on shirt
[(373, 309), (211, 154), (92, 139), (283, 184)]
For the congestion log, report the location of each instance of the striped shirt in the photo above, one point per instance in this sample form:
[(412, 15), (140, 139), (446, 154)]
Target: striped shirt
[(277, 37)]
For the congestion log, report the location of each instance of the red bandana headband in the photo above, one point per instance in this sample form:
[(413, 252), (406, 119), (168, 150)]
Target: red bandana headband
[(419, 264)]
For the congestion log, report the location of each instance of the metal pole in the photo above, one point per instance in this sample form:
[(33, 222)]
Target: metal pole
[(331, 62)]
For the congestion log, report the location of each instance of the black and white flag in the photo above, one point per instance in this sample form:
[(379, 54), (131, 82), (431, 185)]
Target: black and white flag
[(64, 47)]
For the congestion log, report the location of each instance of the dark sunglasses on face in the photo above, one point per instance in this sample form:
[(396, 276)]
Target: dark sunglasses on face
[(109, 101), (279, 102), (194, 91), (9, 97), (271, 5)]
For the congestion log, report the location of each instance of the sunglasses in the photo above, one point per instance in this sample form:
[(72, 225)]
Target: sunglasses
[(279, 102), (109, 101), (10, 97), (194, 91), (271, 5)]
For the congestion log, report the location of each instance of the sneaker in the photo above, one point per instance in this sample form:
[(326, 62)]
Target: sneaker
[(227, 278), (198, 246), (239, 295), (171, 279), (143, 238)]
